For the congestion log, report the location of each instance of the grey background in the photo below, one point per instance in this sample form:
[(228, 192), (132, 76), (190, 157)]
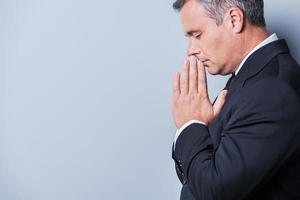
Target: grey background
[(85, 91)]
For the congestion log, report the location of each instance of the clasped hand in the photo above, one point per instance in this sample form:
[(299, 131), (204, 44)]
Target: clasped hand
[(190, 95)]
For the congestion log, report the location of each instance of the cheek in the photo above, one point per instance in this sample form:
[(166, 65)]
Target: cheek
[(219, 48), (210, 43)]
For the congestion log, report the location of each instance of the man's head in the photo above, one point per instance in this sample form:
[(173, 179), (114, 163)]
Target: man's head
[(221, 32)]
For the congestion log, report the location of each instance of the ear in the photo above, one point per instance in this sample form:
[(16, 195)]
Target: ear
[(235, 19)]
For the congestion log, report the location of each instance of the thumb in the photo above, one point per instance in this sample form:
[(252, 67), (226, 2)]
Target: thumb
[(218, 105)]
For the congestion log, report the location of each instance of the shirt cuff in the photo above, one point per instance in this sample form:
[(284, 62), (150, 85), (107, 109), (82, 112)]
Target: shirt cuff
[(178, 132)]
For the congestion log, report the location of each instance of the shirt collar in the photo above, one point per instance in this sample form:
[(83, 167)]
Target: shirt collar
[(270, 39)]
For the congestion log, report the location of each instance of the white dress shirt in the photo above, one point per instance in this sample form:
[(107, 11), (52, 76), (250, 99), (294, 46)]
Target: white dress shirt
[(270, 39)]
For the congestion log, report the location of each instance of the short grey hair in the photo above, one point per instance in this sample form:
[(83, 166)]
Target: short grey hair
[(253, 9)]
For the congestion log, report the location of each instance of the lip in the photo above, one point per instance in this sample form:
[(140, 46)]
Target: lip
[(204, 62)]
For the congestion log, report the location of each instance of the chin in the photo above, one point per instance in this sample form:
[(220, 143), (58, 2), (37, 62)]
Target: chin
[(212, 71), (216, 70)]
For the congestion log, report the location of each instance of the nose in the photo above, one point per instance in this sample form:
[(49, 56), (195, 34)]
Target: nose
[(193, 50)]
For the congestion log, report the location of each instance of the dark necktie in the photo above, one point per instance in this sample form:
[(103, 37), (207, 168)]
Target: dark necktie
[(227, 85), (229, 81)]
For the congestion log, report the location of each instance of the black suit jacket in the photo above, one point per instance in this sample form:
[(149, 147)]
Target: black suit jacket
[(251, 150)]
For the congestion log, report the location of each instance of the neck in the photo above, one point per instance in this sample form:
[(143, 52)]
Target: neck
[(250, 38), (254, 37)]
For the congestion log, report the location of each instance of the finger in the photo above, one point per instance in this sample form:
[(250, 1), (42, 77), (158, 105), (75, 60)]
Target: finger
[(184, 78), (193, 82), (219, 103), (202, 82), (176, 83)]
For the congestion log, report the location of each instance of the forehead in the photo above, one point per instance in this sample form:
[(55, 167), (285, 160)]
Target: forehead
[(193, 16)]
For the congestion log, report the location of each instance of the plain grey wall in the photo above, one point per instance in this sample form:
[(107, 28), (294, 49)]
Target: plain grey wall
[(85, 91)]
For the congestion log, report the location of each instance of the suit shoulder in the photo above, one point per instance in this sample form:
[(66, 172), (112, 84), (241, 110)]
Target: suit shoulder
[(270, 100), (272, 92), (289, 71)]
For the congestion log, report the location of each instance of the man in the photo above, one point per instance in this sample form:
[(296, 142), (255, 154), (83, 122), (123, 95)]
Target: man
[(245, 145)]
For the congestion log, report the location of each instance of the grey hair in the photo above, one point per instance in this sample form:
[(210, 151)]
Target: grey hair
[(253, 9)]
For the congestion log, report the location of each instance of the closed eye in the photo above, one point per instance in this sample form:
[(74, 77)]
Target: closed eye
[(198, 36)]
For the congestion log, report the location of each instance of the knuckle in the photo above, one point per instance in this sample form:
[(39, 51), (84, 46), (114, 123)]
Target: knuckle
[(203, 97), (184, 98), (194, 96)]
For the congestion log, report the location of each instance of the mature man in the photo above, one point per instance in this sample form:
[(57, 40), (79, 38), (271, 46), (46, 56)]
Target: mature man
[(246, 145)]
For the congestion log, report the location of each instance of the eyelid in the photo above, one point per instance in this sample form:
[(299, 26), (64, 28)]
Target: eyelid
[(193, 34), (198, 35)]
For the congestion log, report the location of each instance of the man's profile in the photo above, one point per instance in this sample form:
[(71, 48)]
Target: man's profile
[(245, 144)]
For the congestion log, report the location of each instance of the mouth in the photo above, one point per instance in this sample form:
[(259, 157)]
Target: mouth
[(205, 63), (203, 60)]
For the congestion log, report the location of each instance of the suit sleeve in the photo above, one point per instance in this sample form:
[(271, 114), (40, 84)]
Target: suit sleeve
[(261, 135)]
